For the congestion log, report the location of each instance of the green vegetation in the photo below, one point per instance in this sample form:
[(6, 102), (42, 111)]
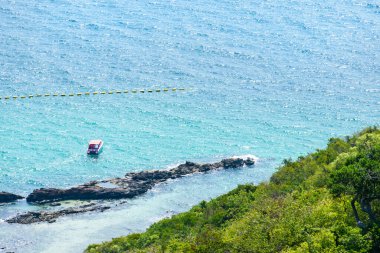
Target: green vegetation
[(328, 201)]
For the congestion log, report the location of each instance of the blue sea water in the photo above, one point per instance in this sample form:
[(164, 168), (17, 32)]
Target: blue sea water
[(274, 79)]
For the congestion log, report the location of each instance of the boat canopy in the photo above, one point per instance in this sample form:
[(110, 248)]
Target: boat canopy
[(95, 142)]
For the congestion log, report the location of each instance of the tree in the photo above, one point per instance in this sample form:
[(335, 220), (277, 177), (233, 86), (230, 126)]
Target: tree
[(359, 176)]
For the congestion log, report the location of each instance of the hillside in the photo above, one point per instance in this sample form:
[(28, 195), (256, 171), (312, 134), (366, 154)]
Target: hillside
[(327, 201)]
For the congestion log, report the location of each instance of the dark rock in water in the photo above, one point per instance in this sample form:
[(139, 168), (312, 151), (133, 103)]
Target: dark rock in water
[(6, 197), (233, 163), (43, 216), (134, 183), (55, 204), (249, 162), (82, 192)]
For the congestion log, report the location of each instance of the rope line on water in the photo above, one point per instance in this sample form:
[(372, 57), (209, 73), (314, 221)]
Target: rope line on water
[(78, 94)]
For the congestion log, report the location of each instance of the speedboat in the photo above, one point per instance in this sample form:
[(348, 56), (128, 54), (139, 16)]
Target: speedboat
[(95, 147)]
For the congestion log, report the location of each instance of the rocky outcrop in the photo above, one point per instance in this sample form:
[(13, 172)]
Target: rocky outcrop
[(44, 216), (6, 197), (82, 192), (133, 184)]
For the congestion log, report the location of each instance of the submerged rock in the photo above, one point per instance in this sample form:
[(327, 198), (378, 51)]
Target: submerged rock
[(44, 216), (133, 184), (6, 197)]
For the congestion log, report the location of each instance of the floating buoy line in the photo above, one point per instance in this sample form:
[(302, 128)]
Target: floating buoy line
[(94, 93)]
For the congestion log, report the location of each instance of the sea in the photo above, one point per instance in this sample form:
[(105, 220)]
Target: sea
[(270, 78)]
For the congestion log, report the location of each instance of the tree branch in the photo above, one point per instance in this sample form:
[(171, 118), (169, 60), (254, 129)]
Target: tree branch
[(358, 221)]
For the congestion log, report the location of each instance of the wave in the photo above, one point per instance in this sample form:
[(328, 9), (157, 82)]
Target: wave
[(255, 158)]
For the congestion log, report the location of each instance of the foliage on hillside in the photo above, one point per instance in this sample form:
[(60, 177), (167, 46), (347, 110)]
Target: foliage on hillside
[(327, 201)]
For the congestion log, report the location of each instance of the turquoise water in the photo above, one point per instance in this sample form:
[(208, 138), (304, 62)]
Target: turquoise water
[(274, 79)]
